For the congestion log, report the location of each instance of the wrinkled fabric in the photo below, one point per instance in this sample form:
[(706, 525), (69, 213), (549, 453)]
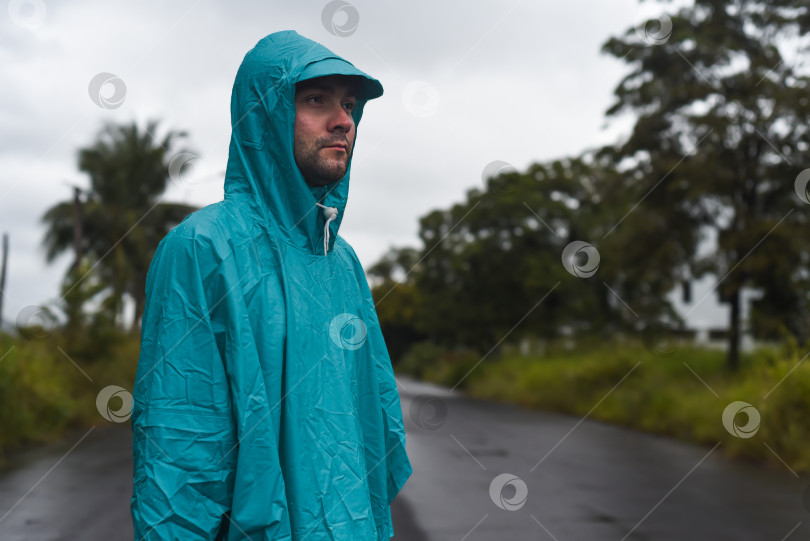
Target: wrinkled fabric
[(265, 405)]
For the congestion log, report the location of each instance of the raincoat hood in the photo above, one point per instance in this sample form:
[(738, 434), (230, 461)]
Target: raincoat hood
[(265, 404), (261, 161)]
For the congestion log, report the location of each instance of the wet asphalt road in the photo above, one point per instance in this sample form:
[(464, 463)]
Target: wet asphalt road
[(583, 481)]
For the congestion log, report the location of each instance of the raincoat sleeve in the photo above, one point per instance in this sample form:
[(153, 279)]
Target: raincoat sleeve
[(192, 405), (398, 466), (181, 421), (397, 463)]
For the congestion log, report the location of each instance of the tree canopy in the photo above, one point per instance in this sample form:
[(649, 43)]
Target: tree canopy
[(123, 216), (703, 185)]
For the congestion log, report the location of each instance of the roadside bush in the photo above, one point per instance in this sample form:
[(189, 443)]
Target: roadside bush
[(419, 358), (48, 385)]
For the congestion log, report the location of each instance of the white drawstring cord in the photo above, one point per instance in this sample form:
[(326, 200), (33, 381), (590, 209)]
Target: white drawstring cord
[(330, 213)]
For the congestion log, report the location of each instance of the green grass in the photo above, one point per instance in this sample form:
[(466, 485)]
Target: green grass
[(662, 395), (43, 394)]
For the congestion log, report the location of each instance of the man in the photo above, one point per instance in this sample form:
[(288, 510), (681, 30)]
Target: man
[(265, 403)]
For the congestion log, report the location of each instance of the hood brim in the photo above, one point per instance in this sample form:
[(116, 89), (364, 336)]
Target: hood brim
[(369, 87)]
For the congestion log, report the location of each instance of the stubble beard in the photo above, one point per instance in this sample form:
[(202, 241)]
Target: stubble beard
[(317, 169)]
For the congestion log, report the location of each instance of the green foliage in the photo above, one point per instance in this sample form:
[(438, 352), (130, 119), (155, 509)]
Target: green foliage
[(722, 131), (35, 402), (122, 217), (419, 358), (42, 391), (629, 385), (786, 413), (453, 367), (396, 300), (491, 266), (426, 360)]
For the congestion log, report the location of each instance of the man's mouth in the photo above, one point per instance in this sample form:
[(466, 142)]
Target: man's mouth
[(338, 146)]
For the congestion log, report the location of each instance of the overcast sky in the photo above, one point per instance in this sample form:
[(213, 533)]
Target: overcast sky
[(466, 83)]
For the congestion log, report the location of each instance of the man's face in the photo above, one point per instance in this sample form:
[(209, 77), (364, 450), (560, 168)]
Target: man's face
[(324, 128)]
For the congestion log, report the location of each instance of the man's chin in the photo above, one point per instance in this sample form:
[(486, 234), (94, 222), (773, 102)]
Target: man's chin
[(334, 170), (325, 178)]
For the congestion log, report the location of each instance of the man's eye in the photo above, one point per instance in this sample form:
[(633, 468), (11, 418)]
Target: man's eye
[(349, 105)]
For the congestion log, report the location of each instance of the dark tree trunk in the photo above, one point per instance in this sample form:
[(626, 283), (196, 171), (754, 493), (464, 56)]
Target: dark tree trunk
[(3, 275), (140, 301), (733, 359), (78, 234)]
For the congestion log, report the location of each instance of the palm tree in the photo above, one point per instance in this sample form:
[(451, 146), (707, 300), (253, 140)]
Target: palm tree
[(123, 217)]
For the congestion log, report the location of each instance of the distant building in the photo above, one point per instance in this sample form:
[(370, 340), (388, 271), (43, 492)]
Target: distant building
[(706, 319)]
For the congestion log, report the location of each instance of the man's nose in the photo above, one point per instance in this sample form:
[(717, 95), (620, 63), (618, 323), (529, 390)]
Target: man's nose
[(341, 119)]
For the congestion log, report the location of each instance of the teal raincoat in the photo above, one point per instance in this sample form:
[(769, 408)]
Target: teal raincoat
[(265, 404)]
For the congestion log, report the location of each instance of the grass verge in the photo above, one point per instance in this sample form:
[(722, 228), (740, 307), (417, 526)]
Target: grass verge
[(682, 395), (49, 384)]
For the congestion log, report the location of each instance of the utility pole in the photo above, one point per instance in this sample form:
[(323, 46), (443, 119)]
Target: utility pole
[(3, 276), (77, 226)]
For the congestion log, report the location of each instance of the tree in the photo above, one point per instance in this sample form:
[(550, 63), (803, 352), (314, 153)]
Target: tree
[(123, 216), (492, 265), (396, 299), (722, 129)]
